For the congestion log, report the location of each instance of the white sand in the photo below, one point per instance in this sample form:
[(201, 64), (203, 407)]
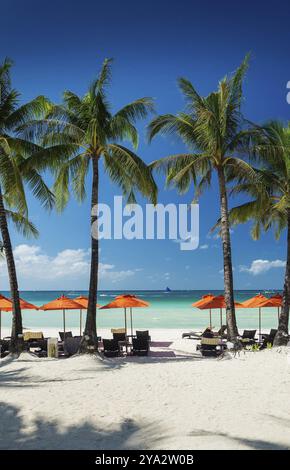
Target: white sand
[(178, 402)]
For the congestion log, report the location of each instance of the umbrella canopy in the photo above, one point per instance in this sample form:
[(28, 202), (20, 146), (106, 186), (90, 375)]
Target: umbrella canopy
[(126, 301), (84, 301), (7, 306), (203, 300), (217, 302), (256, 302), (275, 301), (62, 303)]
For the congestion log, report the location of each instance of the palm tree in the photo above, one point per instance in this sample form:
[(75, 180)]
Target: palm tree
[(16, 170), (78, 134), (269, 206), (214, 131)]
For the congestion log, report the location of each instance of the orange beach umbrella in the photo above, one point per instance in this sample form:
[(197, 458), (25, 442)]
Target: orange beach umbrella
[(62, 303), (217, 302), (126, 301), (7, 306), (274, 301), (199, 303), (84, 301), (256, 302)]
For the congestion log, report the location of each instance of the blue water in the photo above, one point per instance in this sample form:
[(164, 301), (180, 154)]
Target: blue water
[(167, 310)]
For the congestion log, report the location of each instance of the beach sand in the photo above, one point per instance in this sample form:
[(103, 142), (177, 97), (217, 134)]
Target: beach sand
[(172, 400)]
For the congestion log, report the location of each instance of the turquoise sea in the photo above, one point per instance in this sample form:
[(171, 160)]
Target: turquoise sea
[(167, 310)]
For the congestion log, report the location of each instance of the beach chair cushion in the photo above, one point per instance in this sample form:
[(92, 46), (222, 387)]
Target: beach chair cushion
[(210, 341), (32, 335), (118, 330)]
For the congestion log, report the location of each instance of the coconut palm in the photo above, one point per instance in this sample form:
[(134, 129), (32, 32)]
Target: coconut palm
[(215, 133), (79, 134), (17, 171), (269, 206)]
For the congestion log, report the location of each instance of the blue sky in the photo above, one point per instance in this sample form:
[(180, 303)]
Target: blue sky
[(62, 46)]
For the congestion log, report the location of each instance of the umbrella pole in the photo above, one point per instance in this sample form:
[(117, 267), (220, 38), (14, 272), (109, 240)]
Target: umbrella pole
[(278, 316), (210, 322), (81, 322), (221, 316), (63, 313), (125, 314), (131, 321), (0, 326), (259, 323)]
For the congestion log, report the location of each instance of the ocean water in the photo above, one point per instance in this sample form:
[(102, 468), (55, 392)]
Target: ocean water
[(166, 310)]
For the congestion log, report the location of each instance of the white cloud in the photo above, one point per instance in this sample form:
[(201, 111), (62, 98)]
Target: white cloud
[(260, 266), (203, 247), (35, 267)]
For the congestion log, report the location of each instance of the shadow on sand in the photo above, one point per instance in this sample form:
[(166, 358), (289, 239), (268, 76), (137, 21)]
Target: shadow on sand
[(43, 434)]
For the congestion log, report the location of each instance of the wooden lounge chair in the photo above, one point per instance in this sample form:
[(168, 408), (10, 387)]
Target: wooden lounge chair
[(140, 346), (211, 347), (111, 348), (196, 334)]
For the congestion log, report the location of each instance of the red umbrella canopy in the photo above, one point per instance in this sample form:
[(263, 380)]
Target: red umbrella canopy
[(126, 301), (216, 302), (5, 303), (274, 301), (254, 302), (203, 300), (84, 301), (62, 303)]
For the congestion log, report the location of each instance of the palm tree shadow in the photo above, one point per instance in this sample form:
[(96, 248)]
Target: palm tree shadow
[(255, 444), (44, 434)]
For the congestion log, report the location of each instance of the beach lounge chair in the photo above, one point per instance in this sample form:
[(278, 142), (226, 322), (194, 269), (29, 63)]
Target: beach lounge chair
[(71, 345), (111, 348), (143, 334), (140, 346), (119, 336), (68, 334), (221, 332), (196, 334), (4, 347), (211, 347), (268, 339), (248, 337)]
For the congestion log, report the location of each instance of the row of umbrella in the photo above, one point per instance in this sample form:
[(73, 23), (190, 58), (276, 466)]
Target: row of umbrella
[(128, 301), (211, 302), (80, 303)]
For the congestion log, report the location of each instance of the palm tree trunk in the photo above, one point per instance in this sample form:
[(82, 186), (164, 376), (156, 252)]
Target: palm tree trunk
[(281, 338), (232, 330), (16, 343), (89, 340)]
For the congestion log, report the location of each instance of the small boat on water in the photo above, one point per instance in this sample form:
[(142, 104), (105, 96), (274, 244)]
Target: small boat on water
[(168, 289)]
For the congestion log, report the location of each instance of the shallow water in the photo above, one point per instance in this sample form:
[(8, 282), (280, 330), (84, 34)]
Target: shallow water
[(167, 310)]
